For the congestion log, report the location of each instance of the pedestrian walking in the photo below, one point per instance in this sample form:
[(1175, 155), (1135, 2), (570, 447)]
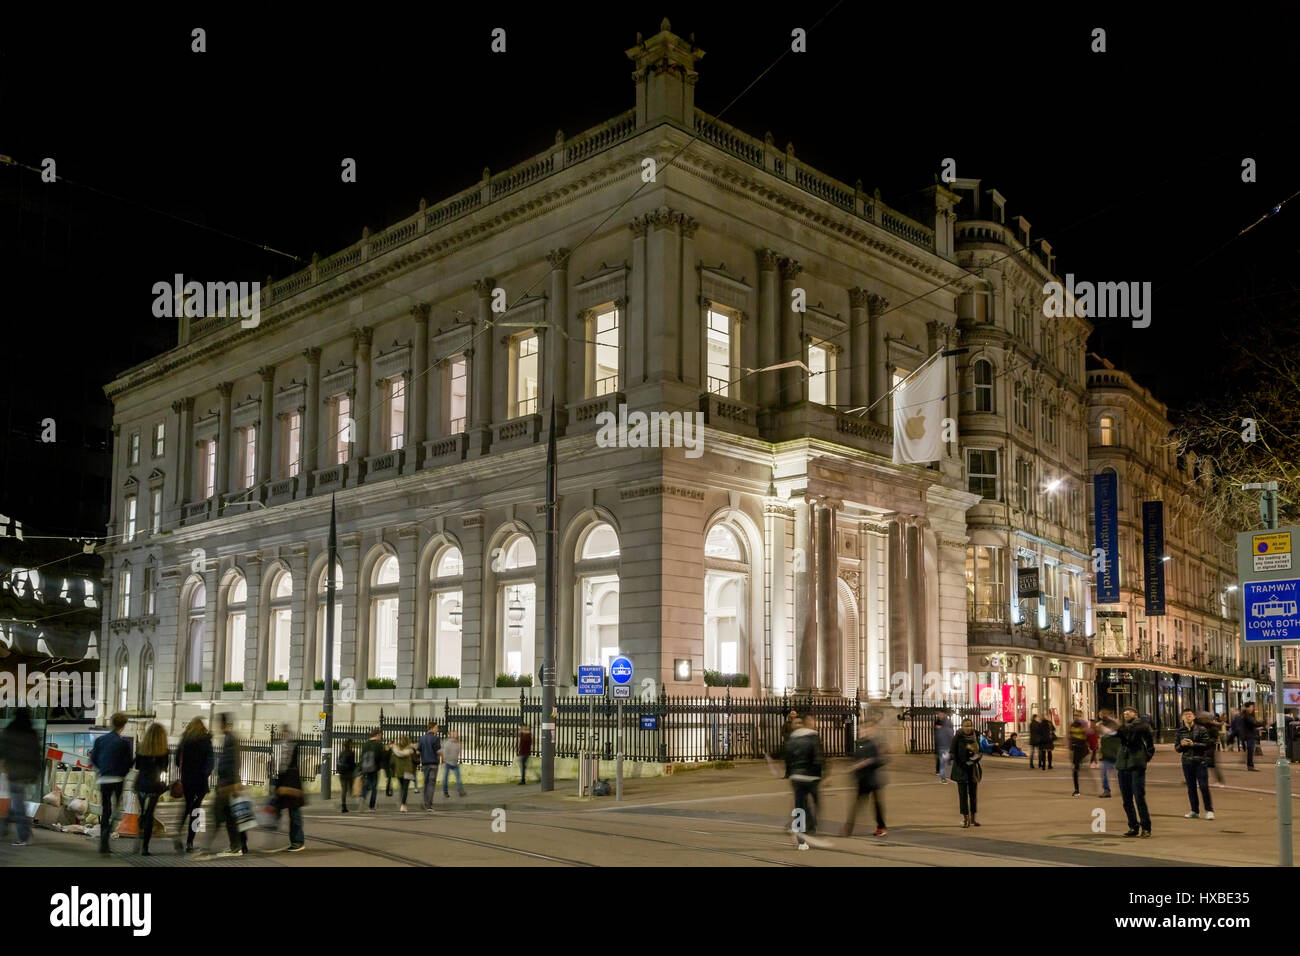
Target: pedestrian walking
[(1079, 731), (943, 744), (403, 756), (1213, 724), (347, 770), (1250, 725), (20, 756), (967, 771), (1108, 748), (151, 762), (1048, 743), (868, 761), (288, 795), (195, 761), (430, 754), (387, 765), (1094, 743), (228, 787), (451, 765), (525, 751), (111, 758), (1136, 748), (1194, 742), (373, 754), (803, 768)]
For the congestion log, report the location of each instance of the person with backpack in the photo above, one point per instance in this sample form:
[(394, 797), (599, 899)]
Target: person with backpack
[(20, 755), (1194, 742), (347, 770), (967, 771), (373, 755), (430, 754), (1136, 748), (111, 758), (866, 767), (451, 765)]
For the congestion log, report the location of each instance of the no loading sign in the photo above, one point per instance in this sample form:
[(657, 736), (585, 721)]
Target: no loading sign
[(1271, 551)]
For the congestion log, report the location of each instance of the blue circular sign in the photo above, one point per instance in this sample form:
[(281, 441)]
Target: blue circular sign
[(620, 669)]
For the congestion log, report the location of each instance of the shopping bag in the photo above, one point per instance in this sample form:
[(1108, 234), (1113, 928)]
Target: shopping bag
[(241, 811), (356, 786), (268, 817)]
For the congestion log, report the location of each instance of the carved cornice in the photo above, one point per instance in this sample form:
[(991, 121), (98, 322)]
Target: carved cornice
[(656, 490), (639, 225), (178, 406), (781, 511)]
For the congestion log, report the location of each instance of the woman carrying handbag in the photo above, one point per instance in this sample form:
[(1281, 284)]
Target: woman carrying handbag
[(967, 771)]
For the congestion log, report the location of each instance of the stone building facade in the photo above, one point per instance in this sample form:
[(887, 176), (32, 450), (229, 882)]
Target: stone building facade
[(1024, 447), (411, 378)]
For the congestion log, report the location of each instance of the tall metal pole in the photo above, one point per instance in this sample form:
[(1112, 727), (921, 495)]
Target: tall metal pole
[(548, 642), (327, 702), (1285, 850)]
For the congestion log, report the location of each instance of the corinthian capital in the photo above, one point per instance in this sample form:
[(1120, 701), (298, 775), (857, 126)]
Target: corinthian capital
[(768, 259), (558, 258), (877, 303), (361, 338), (420, 311), (484, 287), (312, 355), (639, 225), (790, 269), (858, 298)]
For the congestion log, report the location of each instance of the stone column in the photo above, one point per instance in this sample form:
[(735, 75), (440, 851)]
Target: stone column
[(917, 639), (794, 383), (859, 370), (557, 343), (769, 383), (361, 405), (879, 360), (252, 626), (348, 596), (828, 630), (418, 385), (896, 576), (634, 335), (481, 376), (299, 682), (223, 445), (690, 354), (310, 437), (265, 425), (182, 456), (805, 596)]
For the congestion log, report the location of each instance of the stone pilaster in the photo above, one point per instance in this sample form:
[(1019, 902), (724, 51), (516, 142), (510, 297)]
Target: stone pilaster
[(182, 454), (265, 423), (480, 384), (557, 343), (311, 430), (634, 335), (362, 404), (408, 540), (418, 387), (828, 630), (794, 383), (224, 442), (859, 371), (896, 577), (114, 481), (805, 596), (768, 332), (879, 361)]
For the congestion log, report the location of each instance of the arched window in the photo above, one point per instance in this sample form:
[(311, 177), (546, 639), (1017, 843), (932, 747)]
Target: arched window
[(983, 374), (446, 598), (236, 628), (195, 640), (517, 605), (123, 678), (383, 616), (279, 634), (1106, 428), (598, 595), (322, 584), (726, 589), (146, 679)]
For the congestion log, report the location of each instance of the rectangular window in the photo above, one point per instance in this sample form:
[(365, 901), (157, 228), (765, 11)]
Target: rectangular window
[(343, 429), (159, 439), (130, 518), (135, 448), (985, 594), (248, 451), (395, 412), (147, 587), (608, 342), (719, 346), (982, 472), (155, 510), (124, 593), (983, 386), (291, 444), (1026, 408), (1106, 429), (1024, 482), (207, 468), (526, 377), (458, 397), (821, 383)]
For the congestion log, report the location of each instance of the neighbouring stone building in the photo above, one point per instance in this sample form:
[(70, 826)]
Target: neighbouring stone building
[(1024, 445), (1191, 656), (790, 549)]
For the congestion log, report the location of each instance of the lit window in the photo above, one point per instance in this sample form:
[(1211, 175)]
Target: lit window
[(451, 564), (607, 342), (985, 594), (322, 587), (524, 382), (248, 449), (458, 394), (982, 472), (395, 411), (124, 593), (1106, 427), (155, 510), (281, 620), (446, 615), (983, 385), (159, 439), (236, 629), (343, 429), (148, 590), (517, 606), (207, 468), (195, 644), (383, 617), (291, 444), (135, 448), (726, 590), (719, 345), (821, 380), (130, 518)]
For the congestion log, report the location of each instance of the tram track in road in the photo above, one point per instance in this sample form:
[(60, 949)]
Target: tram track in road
[(446, 837)]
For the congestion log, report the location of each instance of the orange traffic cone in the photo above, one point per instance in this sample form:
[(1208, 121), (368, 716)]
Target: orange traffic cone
[(130, 825)]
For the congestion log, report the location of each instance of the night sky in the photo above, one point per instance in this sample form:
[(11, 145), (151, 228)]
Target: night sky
[(1127, 162)]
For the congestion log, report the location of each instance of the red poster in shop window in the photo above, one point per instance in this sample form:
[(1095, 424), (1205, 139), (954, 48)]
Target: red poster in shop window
[(984, 696), (1008, 704), (1022, 710)]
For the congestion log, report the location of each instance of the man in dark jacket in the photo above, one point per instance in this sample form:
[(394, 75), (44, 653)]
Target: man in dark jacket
[(1194, 742), (1136, 747), (373, 756), (111, 758), (867, 761), (803, 767), (430, 747), (228, 786), (1250, 725), (20, 758)]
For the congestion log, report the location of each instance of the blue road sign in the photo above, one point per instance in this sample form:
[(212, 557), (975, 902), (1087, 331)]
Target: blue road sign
[(591, 680), (620, 669), (1272, 611), (649, 722)]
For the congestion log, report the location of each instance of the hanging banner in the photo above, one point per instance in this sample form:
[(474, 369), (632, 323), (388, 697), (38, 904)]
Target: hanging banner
[(1153, 551), (1105, 507)]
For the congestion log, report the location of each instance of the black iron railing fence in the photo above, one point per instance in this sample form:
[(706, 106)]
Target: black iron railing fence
[(920, 722)]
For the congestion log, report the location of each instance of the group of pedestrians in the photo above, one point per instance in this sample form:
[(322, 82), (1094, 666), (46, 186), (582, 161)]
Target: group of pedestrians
[(399, 760)]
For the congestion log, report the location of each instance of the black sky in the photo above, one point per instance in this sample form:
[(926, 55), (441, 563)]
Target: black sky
[(1128, 162)]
